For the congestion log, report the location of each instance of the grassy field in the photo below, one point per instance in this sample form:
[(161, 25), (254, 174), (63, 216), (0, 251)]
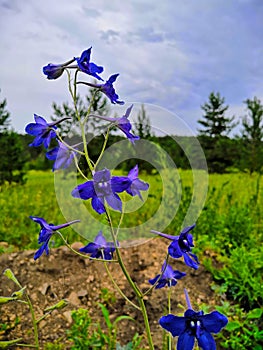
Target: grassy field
[(229, 229), (233, 206)]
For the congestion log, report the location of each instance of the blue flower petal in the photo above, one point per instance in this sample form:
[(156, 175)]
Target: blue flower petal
[(100, 240), (185, 341), (188, 261), (89, 248), (41, 250), (120, 183), (214, 321), (114, 201), (84, 191), (174, 249), (206, 341), (173, 324), (97, 205)]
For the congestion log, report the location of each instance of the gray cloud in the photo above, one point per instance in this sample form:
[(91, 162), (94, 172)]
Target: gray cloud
[(171, 53)]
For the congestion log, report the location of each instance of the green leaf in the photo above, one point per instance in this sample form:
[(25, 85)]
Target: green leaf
[(123, 317), (6, 344), (5, 300), (255, 313), (106, 315), (9, 274), (232, 325)]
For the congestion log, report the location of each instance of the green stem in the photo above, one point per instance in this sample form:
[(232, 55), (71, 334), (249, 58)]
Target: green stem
[(79, 170), (103, 148), (118, 288), (67, 145), (134, 287), (169, 311), (34, 321)]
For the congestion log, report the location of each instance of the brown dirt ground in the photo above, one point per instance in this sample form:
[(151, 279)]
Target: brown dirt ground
[(62, 274)]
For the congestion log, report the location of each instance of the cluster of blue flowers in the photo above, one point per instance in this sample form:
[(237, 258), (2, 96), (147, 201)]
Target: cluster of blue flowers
[(103, 190)]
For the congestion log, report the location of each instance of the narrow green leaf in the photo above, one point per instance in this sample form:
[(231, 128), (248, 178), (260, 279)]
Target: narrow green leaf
[(232, 325), (255, 313)]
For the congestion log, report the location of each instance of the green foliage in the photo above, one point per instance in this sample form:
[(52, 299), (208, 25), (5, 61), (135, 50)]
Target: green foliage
[(12, 158), (214, 121), (143, 124), (4, 116), (252, 135), (85, 334), (11, 150), (244, 330)]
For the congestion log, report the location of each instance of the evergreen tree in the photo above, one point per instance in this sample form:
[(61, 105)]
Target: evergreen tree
[(214, 121), (252, 134), (213, 136), (143, 124), (12, 153), (4, 116)]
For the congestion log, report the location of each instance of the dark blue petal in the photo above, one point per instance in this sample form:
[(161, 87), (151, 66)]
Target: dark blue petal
[(52, 154), (178, 274), (89, 248), (173, 324), (100, 240), (102, 175), (42, 222), (174, 250), (84, 191), (41, 250), (162, 283), (107, 254), (188, 261), (114, 201), (153, 280), (214, 321), (187, 229), (185, 341), (168, 273), (53, 71), (120, 183), (112, 78), (97, 205), (206, 341), (40, 120)]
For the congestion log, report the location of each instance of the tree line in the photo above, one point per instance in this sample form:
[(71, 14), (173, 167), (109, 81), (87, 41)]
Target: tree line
[(224, 153)]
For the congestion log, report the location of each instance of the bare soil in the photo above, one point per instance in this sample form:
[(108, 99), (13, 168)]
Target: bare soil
[(64, 275)]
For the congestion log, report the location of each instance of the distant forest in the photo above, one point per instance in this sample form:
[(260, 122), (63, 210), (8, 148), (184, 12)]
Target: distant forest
[(222, 153)]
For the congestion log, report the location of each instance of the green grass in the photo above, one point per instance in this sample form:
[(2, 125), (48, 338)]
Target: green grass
[(229, 225)]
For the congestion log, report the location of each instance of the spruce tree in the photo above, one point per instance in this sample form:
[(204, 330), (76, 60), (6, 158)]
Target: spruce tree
[(213, 135), (252, 134), (215, 123)]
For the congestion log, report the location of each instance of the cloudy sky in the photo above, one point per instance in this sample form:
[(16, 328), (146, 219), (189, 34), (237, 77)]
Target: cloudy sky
[(170, 54)]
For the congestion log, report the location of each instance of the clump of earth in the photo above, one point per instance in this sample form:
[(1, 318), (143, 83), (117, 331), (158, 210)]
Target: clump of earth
[(85, 283)]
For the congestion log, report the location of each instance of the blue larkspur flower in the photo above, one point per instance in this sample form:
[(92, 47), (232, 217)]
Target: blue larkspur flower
[(46, 232), (136, 185), (103, 188), (194, 325), (100, 248), (109, 91), (181, 246), (54, 71), (62, 156), (42, 130), (122, 123), (88, 67), (169, 277)]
